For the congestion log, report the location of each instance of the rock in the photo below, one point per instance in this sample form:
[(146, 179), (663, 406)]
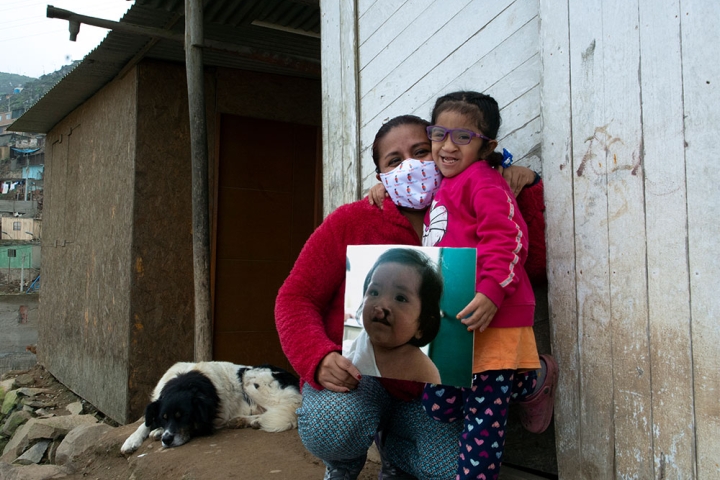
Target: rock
[(7, 385), (78, 440), (14, 421), (24, 380), (43, 428), (52, 450), (30, 402), (31, 392), (42, 431), (33, 454), (32, 472), (11, 399), (41, 412), (75, 408)]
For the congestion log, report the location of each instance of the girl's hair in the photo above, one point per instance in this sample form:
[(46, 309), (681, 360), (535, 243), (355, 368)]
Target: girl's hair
[(389, 125), (481, 108), (431, 287)]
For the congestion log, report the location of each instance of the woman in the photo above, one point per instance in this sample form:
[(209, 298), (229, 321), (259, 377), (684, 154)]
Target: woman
[(342, 412)]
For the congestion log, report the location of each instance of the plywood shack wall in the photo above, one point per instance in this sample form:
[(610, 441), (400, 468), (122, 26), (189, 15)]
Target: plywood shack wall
[(630, 95), (83, 317)]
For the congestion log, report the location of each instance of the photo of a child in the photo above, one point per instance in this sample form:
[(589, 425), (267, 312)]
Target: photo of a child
[(394, 312)]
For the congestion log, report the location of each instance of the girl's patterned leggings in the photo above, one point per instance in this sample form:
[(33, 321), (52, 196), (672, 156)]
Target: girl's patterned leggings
[(484, 407)]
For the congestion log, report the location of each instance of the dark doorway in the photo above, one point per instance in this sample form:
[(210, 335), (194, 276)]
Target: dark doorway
[(268, 201)]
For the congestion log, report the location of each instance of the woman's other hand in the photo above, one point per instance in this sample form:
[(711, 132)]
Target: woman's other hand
[(337, 373), (479, 312), (517, 177), (377, 195)]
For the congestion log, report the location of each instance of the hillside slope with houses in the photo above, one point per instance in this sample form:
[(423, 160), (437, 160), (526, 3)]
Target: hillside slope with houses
[(22, 162)]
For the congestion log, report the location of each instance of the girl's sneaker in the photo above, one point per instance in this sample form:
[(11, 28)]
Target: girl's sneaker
[(536, 411), (340, 474), (344, 470)]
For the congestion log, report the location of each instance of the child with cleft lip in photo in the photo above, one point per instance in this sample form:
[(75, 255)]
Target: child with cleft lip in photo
[(400, 314)]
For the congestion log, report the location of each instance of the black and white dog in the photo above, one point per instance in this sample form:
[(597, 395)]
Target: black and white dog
[(194, 399)]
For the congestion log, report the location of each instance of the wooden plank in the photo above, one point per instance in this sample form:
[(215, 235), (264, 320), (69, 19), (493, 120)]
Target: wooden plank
[(374, 34), (701, 79), (477, 65), (372, 14), (340, 104), (525, 144), (666, 211), (364, 5), (596, 434), (504, 61), (516, 83), (621, 137), (441, 29), (516, 114), (447, 52), (562, 279)]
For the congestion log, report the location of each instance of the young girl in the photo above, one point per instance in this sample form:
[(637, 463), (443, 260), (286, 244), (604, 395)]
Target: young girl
[(474, 207), (401, 313)]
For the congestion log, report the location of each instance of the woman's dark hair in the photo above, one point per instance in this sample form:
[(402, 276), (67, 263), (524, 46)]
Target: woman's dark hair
[(431, 288), (483, 109), (389, 125)]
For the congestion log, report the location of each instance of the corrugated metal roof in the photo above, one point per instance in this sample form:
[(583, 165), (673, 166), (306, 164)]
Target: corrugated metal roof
[(272, 50)]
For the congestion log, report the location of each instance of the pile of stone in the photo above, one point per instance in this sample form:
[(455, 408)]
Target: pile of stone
[(38, 438)]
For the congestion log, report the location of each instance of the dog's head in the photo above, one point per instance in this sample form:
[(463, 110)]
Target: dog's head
[(186, 408)]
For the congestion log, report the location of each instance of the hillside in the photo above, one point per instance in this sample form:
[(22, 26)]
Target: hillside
[(8, 81), (33, 89)]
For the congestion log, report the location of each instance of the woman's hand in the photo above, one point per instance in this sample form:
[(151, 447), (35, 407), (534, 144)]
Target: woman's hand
[(377, 195), (479, 312), (337, 373), (517, 177)]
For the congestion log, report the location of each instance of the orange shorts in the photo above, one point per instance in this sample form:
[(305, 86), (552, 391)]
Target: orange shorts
[(505, 349)]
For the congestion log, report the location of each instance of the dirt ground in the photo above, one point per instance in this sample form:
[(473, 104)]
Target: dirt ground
[(237, 454)]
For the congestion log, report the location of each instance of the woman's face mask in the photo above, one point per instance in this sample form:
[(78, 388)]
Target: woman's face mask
[(412, 184)]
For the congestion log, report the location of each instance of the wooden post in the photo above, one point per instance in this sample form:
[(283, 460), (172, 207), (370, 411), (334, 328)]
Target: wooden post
[(199, 153)]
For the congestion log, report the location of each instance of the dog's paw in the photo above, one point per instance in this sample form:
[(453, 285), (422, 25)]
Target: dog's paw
[(239, 422), (156, 434), (130, 445)]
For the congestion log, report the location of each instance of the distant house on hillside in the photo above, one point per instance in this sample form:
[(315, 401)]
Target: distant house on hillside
[(6, 119)]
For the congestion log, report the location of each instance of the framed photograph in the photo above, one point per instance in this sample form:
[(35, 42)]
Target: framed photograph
[(401, 306)]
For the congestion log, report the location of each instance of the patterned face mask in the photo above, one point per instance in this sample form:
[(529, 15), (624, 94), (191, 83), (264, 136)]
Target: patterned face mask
[(412, 184)]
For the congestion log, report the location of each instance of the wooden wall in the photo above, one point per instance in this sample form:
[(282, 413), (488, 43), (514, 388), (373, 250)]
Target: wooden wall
[(394, 57), (630, 100), (616, 104)]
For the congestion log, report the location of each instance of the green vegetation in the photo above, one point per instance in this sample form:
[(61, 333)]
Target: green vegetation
[(33, 89), (8, 81)]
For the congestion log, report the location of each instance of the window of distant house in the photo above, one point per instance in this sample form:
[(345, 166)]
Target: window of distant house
[(7, 116), (16, 225)]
